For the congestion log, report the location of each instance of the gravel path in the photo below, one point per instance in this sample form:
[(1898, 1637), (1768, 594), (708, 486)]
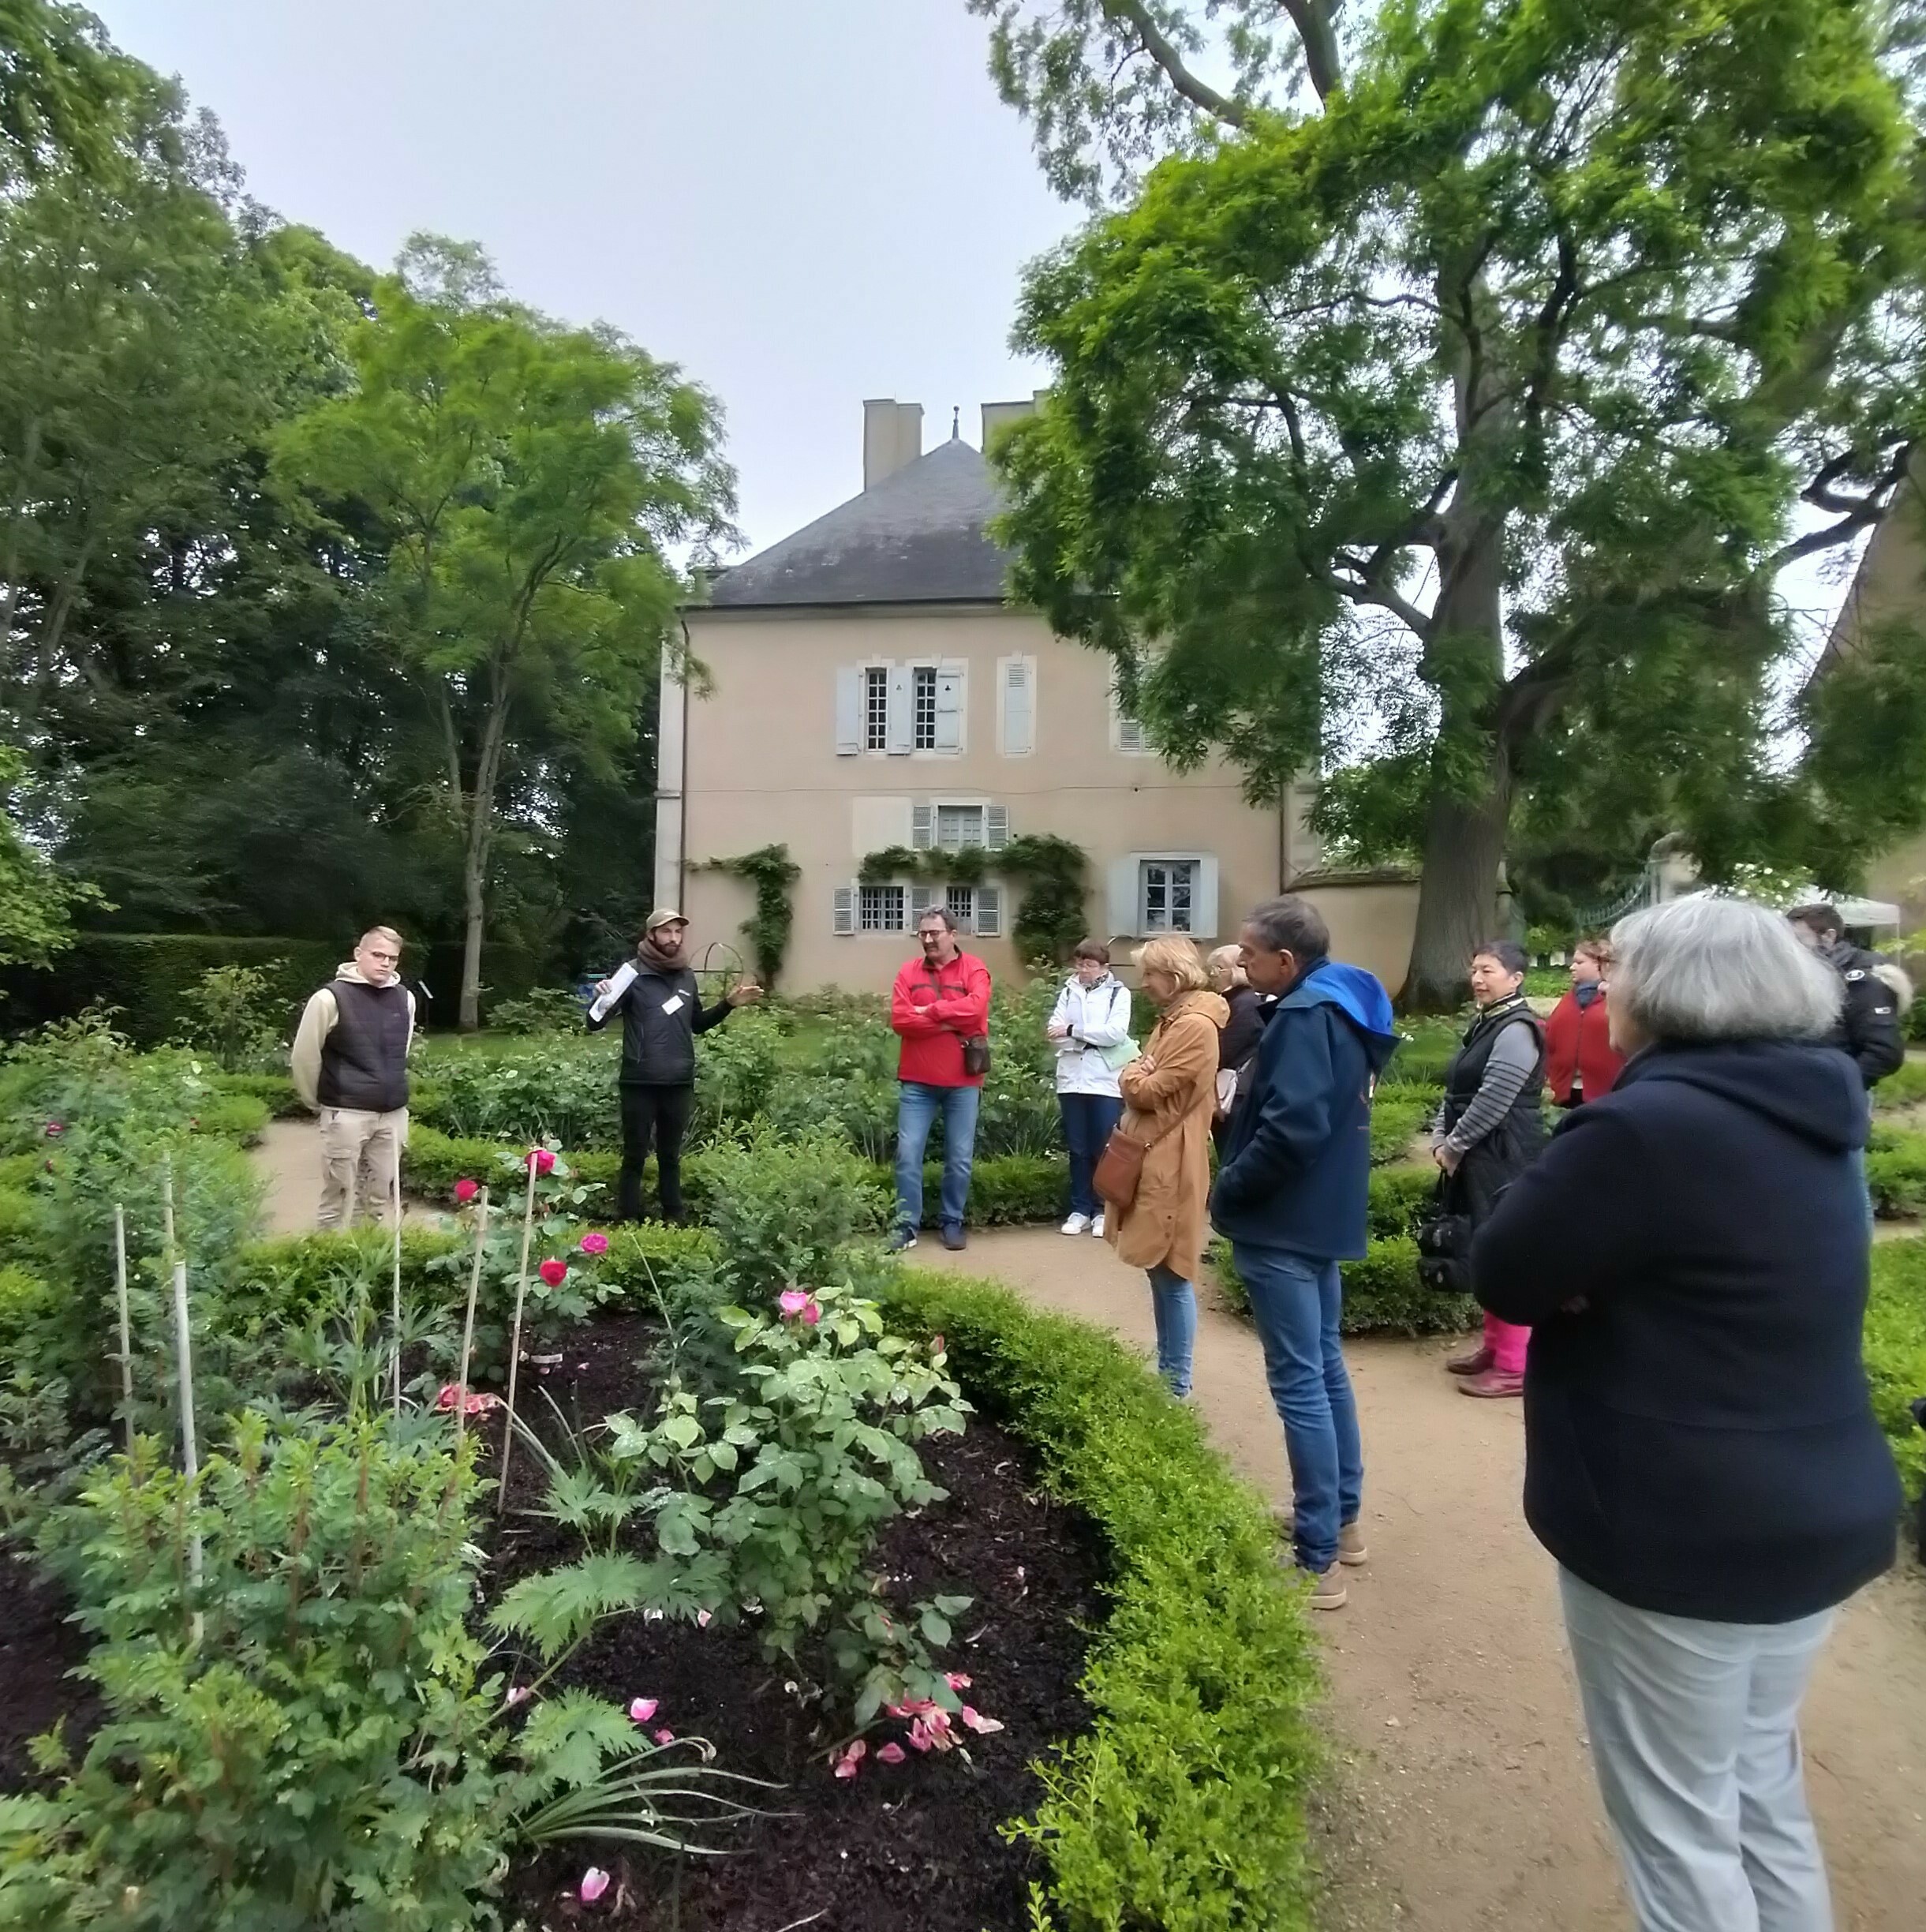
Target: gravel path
[(1467, 1799)]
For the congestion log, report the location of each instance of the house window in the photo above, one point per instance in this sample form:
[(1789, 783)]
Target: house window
[(958, 826), (1167, 893), (1126, 731), (960, 902), (876, 707), (881, 908), (924, 703)]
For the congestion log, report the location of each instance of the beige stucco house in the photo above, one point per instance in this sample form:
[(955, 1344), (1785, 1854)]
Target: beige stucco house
[(864, 686)]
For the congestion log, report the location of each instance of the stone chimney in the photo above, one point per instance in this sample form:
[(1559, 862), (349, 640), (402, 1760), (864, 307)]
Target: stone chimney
[(892, 436), (998, 416)]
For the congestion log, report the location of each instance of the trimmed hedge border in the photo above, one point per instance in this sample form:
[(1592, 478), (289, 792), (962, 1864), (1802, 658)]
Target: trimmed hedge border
[(1183, 1808), (1004, 1191), (1896, 1350)]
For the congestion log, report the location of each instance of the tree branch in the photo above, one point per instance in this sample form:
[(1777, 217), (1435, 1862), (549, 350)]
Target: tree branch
[(1199, 93), (1312, 20), (1857, 513)]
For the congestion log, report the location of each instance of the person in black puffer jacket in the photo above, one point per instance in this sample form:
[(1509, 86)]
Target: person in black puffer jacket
[(1701, 1454), (1868, 1027), (662, 1012)]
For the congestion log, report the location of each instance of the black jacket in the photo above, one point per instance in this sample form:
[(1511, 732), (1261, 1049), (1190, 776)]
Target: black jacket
[(661, 1014), (1698, 1438), (1870, 1021), (1237, 1042)]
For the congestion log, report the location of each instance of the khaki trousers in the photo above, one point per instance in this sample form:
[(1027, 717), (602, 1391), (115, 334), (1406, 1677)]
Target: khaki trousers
[(359, 1147)]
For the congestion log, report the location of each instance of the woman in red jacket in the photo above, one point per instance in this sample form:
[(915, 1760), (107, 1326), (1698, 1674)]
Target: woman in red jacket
[(1580, 1063)]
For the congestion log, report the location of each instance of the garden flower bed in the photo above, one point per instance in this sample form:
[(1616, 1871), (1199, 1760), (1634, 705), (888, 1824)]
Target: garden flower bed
[(322, 1674)]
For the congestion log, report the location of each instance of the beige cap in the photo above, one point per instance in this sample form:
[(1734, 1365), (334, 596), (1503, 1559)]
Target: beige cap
[(663, 915)]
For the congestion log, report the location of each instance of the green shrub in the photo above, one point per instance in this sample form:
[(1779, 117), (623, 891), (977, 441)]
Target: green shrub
[(1008, 1190), (1183, 1808), (1382, 1293), (239, 1016), (275, 1091), (784, 1210), (1400, 1197), (236, 1116), (1906, 1086), (1896, 1172), (150, 978), (1896, 1350), (1396, 1122), (432, 1162), (548, 1009)]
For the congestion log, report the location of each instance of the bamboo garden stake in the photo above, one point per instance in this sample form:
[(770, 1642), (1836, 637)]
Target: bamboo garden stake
[(127, 1346), (468, 1326), (515, 1339), (394, 1206)]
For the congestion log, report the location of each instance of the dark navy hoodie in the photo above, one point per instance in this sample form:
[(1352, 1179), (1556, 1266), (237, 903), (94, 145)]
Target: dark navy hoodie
[(1297, 1161), (1698, 1438)]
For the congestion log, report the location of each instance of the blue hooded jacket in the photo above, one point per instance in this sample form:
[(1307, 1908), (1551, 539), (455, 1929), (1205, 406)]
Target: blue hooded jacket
[(1296, 1171)]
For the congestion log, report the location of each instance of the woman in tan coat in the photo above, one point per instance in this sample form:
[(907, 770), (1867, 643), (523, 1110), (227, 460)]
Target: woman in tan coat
[(1169, 1094)]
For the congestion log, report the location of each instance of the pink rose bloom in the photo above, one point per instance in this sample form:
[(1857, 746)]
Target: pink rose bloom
[(465, 1191), (54, 1129), (595, 1243), (553, 1272), (594, 1883), (792, 1301), (811, 1313), (643, 1709), (541, 1160)]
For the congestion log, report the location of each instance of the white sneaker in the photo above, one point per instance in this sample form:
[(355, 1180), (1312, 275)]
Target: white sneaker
[(1077, 1224), (1097, 1227)]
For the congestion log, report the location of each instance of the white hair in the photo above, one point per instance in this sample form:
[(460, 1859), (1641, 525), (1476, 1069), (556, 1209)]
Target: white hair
[(1720, 969)]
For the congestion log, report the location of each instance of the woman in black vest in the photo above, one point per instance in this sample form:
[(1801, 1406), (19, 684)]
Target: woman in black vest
[(1488, 1131), (662, 1012)]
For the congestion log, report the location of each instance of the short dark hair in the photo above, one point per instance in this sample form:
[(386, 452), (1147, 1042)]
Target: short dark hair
[(941, 915), (1289, 924), (1508, 952), (1093, 949), (1819, 917)]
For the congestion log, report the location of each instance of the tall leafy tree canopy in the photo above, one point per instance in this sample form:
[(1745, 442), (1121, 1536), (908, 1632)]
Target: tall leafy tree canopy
[(526, 483), (1447, 403)]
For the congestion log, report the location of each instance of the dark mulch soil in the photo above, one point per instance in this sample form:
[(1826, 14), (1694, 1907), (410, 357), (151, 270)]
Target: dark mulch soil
[(913, 1848), (37, 1647)]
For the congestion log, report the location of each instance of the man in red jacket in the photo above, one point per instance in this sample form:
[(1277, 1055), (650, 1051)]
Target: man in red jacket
[(1580, 1062), (940, 1002)]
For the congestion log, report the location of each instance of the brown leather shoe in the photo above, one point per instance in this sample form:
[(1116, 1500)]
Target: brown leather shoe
[(1493, 1384), (1476, 1363)]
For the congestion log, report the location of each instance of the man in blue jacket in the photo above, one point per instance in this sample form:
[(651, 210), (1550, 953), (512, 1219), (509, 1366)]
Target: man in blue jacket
[(1291, 1198)]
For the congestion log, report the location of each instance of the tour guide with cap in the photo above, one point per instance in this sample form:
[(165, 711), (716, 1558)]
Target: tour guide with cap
[(662, 1012), (349, 1064)]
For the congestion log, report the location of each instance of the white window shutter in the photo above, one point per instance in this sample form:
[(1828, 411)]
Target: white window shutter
[(1122, 896), (849, 695), (989, 912), (845, 909), (919, 903), (922, 827), (902, 710), (996, 827), (949, 707), (1019, 706), (1204, 901)]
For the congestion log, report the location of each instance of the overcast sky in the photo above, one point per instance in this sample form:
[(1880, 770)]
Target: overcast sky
[(803, 202)]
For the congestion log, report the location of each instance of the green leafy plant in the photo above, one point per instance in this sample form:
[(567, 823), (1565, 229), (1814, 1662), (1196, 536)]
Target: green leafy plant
[(238, 1016), (785, 1211), (547, 1010), (773, 874)]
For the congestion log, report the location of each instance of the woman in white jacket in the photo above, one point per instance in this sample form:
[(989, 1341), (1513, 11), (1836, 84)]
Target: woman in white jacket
[(1089, 1028)]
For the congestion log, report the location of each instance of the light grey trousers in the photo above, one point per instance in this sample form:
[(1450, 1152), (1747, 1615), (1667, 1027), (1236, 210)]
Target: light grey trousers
[(1695, 1736)]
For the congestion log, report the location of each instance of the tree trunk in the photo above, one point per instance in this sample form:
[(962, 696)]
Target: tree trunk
[(475, 856), (474, 866), (1464, 846)]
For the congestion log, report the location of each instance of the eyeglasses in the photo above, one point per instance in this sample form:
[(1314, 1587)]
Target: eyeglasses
[(391, 957)]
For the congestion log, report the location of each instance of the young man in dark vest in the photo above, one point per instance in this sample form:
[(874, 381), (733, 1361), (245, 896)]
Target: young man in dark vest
[(350, 1066)]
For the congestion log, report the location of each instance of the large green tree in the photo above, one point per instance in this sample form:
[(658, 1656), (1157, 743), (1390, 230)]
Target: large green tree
[(528, 485), (1449, 400)]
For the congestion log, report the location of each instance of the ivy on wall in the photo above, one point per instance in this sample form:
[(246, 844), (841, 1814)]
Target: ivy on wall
[(1051, 873), (773, 874)]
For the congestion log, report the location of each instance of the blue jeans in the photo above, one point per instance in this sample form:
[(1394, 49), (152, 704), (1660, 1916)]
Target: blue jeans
[(1174, 1302), (917, 1108), (1295, 1300), (1088, 1119)]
